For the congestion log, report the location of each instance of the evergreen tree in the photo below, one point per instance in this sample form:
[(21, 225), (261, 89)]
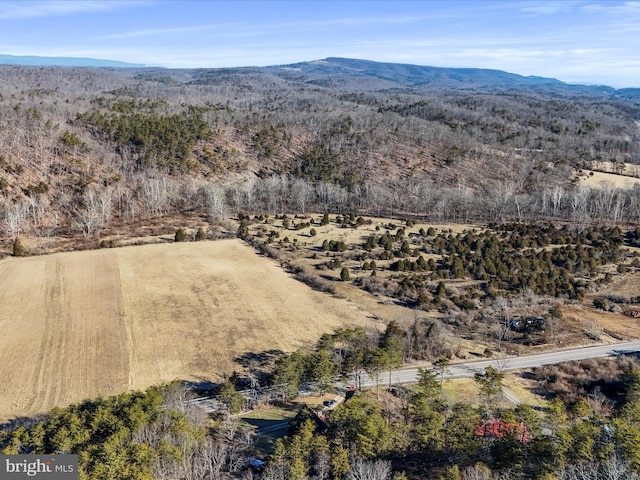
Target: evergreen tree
[(460, 429), (321, 370), (201, 234), (180, 236), (230, 397), (360, 424), (289, 372), (490, 384), (18, 249), (344, 274)]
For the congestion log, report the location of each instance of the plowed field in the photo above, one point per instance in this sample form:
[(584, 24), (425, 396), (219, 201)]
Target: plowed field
[(83, 324)]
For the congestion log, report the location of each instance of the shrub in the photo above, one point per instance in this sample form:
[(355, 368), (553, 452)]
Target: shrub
[(313, 232), (243, 230), (344, 274), (334, 246), (201, 234), (18, 248), (181, 235), (69, 139)]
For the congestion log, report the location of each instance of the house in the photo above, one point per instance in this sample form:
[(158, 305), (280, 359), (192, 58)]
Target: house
[(496, 428)]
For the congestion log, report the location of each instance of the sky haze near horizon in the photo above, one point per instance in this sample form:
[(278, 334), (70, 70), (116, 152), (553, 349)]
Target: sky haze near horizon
[(576, 41)]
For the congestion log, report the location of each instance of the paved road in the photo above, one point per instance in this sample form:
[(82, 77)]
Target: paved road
[(469, 369)]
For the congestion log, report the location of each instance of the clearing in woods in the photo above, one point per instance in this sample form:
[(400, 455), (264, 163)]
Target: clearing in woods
[(600, 179), (83, 324)]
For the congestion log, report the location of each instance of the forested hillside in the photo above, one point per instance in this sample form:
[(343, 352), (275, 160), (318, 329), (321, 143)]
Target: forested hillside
[(452, 208), (83, 148)]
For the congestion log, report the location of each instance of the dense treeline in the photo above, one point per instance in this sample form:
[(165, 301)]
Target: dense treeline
[(155, 434), (165, 142), (118, 437), (345, 352)]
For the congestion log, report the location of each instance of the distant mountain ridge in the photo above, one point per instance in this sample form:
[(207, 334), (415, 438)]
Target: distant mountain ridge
[(34, 60), (351, 75), (416, 73), (417, 76)]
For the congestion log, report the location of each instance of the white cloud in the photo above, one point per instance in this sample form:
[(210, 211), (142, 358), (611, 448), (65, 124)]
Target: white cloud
[(623, 9), (38, 9), (246, 30), (155, 31), (547, 8)]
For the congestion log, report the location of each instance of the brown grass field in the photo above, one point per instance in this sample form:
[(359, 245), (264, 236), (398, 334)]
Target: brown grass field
[(84, 324), (607, 173), (598, 179)]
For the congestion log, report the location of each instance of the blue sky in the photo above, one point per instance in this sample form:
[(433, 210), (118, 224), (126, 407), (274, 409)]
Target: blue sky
[(593, 42)]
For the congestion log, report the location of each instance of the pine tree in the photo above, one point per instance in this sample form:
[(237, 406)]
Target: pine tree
[(344, 274), (181, 235), (230, 397), (18, 249), (201, 234)]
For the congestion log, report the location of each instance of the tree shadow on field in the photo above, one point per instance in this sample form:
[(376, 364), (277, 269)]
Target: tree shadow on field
[(17, 422), (329, 278), (259, 359), (258, 367), (202, 386)]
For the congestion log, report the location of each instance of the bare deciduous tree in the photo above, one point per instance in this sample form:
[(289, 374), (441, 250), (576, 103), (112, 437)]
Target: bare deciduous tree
[(95, 213), (302, 193), (15, 219), (370, 470), (216, 203), (615, 468), (477, 472), (155, 194)]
